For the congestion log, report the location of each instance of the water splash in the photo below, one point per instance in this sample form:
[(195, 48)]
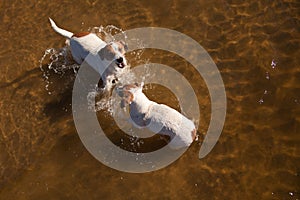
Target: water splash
[(58, 61), (126, 76), (50, 51), (106, 101), (108, 32)]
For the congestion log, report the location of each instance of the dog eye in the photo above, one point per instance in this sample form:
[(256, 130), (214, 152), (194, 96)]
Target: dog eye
[(121, 49)]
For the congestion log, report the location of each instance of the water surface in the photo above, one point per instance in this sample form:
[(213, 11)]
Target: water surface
[(257, 155)]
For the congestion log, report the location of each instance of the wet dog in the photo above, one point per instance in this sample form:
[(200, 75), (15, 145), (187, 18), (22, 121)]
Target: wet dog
[(108, 59), (159, 118)]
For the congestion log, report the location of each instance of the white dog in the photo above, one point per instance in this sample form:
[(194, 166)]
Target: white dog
[(159, 118), (106, 58)]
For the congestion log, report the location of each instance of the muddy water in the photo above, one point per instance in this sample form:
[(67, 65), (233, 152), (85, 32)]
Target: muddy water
[(257, 155)]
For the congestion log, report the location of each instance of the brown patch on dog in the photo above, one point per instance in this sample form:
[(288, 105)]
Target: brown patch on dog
[(126, 95), (80, 34), (107, 52), (130, 86), (194, 134), (122, 47), (127, 98)]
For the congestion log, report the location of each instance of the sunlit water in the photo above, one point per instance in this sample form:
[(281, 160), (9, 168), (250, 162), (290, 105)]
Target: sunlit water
[(254, 44)]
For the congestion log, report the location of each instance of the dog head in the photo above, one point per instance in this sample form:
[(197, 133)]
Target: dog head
[(115, 52), (127, 93)]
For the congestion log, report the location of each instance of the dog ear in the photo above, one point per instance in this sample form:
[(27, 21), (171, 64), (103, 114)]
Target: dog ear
[(124, 45), (127, 99), (123, 103), (106, 52), (102, 53)]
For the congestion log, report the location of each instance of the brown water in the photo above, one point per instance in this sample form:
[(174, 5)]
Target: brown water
[(257, 155)]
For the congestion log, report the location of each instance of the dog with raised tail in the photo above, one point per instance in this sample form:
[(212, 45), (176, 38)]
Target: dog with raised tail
[(159, 118), (108, 59)]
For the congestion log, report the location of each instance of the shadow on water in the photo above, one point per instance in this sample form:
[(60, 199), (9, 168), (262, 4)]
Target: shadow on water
[(28, 74), (140, 145), (60, 86)]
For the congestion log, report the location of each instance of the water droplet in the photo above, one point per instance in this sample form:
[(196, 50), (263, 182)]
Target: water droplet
[(260, 101), (265, 92), (267, 75), (292, 194), (273, 64)]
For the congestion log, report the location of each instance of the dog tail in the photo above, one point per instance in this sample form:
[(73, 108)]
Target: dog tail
[(60, 31)]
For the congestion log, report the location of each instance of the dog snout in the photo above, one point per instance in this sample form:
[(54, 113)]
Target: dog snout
[(120, 60)]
